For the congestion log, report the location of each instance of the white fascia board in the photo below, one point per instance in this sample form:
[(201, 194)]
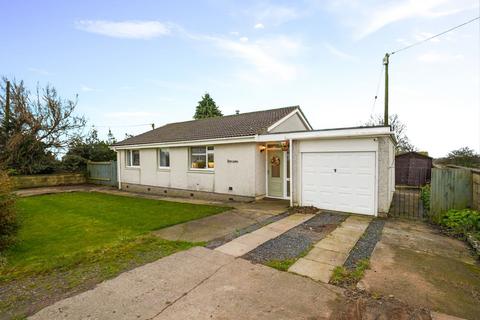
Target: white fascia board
[(296, 111), (327, 134), (209, 142)]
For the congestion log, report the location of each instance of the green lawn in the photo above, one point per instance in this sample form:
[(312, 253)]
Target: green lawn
[(67, 243), (63, 230)]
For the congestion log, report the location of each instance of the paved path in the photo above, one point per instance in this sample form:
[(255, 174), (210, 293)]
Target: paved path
[(201, 284), (424, 268), (246, 243), (226, 223), (331, 251)]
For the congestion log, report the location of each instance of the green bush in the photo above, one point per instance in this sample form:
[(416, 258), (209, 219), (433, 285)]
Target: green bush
[(425, 196), (8, 221), (461, 222)]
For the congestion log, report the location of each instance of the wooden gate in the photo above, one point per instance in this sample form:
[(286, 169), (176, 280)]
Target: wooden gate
[(102, 172), (451, 189)]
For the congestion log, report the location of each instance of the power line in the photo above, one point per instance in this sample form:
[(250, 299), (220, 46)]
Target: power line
[(437, 35), (124, 126), (378, 87)]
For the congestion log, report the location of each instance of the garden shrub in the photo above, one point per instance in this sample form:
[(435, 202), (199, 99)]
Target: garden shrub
[(461, 222), (425, 197), (8, 221)]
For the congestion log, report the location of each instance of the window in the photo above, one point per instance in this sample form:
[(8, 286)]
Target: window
[(202, 157), (133, 158), (163, 158)]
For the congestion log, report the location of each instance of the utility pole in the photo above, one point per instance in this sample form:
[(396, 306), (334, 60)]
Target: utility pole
[(385, 63)]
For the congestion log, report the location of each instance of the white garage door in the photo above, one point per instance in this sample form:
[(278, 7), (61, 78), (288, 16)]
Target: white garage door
[(341, 181)]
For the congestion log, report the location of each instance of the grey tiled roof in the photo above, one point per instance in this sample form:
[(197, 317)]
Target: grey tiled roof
[(243, 124)]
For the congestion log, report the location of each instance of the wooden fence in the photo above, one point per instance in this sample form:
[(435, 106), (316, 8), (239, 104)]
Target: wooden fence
[(102, 172), (451, 189)]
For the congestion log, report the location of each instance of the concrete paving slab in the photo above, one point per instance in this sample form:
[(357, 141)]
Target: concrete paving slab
[(344, 232), (246, 243), (333, 244), (220, 225), (140, 293), (234, 249), (333, 258), (312, 269), (201, 284), (242, 290)]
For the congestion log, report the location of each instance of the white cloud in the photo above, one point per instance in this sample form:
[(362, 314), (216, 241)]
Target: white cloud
[(235, 33), (125, 29), (259, 26), (436, 57), (338, 53), (367, 18), (243, 39), (269, 57), (273, 14)]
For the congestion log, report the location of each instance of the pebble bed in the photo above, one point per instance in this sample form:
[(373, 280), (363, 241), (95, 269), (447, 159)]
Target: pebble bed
[(296, 241), (364, 247)]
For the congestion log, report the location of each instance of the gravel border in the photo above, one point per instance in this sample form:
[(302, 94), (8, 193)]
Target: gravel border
[(364, 247), (215, 243), (296, 241)]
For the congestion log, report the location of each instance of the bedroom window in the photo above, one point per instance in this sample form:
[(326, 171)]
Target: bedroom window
[(202, 157), (163, 158), (133, 158)]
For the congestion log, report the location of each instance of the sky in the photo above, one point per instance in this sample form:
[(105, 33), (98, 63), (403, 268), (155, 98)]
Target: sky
[(133, 63)]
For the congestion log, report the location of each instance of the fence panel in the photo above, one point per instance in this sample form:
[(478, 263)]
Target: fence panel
[(102, 172), (451, 189)]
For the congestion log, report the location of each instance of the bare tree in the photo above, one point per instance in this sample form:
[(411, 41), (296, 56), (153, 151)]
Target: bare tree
[(399, 129), (36, 126)]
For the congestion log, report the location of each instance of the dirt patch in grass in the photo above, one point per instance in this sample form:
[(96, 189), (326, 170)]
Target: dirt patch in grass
[(26, 294)]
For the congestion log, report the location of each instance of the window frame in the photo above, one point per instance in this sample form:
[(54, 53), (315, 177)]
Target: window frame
[(209, 149), (129, 158), (159, 158)]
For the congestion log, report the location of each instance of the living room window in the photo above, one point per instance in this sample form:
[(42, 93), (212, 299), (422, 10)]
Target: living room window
[(133, 158), (202, 158), (163, 158)]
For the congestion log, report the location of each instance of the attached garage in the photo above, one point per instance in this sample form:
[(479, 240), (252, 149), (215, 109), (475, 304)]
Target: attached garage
[(349, 170), (341, 181)]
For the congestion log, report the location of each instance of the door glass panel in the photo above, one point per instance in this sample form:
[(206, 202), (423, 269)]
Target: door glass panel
[(275, 162)]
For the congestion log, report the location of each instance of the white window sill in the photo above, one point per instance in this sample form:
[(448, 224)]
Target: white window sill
[(201, 170), (132, 167), (163, 169)]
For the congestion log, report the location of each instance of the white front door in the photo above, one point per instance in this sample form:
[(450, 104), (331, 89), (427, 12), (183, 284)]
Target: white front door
[(275, 173), (340, 181)]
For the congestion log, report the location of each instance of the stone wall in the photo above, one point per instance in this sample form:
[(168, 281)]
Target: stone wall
[(48, 180), (476, 190)]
